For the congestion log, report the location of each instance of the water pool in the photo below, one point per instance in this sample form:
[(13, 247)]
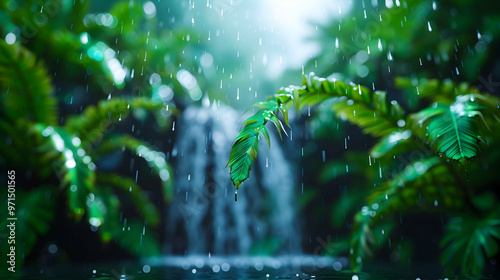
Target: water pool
[(240, 268)]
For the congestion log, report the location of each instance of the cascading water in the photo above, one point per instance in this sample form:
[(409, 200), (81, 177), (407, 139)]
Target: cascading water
[(204, 218)]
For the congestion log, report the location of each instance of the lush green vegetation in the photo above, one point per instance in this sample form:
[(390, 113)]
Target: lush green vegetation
[(70, 100), (427, 156), (77, 87), (451, 130)]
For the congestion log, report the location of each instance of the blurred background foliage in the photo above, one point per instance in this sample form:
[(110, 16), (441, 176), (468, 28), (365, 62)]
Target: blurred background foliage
[(79, 80), (76, 89)]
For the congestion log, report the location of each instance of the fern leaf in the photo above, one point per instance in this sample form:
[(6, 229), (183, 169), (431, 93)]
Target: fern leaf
[(369, 110), (365, 237), (134, 192), (155, 160), (133, 236), (25, 87), (246, 145), (35, 215), (94, 120), (396, 140), (74, 168), (435, 90), (469, 240)]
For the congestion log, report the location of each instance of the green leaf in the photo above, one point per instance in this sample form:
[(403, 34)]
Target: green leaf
[(369, 110), (469, 241), (362, 239), (135, 193), (25, 87), (398, 194), (389, 142), (92, 123), (296, 100), (443, 91), (34, 216), (74, 168), (130, 234), (155, 160), (454, 129), (246, 145)]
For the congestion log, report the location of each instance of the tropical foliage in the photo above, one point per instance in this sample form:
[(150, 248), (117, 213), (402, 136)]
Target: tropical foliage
[(445, 136), (75, 92)]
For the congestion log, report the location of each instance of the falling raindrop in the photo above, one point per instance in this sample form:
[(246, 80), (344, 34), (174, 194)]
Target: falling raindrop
[(389, 56), (380, 45), (429, 26)]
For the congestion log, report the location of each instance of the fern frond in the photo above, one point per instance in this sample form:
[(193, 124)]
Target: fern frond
[(396, 143), (134, 192), (419, 182), (34, 216), (155, 160), (131, 235), (370, 110), (434, 90), (367, 236), (94, 120), (25, 87), (246, 145), (74, 168)]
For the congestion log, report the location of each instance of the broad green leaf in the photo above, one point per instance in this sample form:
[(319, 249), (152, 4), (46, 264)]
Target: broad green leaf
[(454, 129)]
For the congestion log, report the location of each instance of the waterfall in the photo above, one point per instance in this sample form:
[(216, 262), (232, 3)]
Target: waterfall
[(204, 218)]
